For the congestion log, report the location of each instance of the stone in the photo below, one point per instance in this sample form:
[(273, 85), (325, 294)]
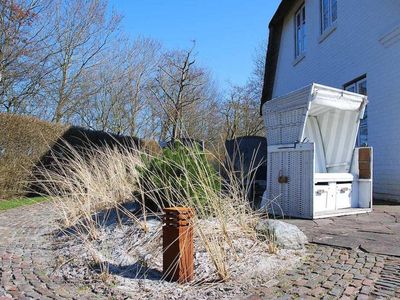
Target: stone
[(369, 265), (286, 236), (253, 297), (318, 291), (312, 284), (328, 284), (359, 276), (373, 275), (348, 276), (376, 270), (368, 282), (351, 261), (342, 283), (328, 297), (343, 257), (366, 290), (300, 282), (381, 247), (334, 278), (337, 291), (357, 283), (349, 291), (303, 291), (285, 297)]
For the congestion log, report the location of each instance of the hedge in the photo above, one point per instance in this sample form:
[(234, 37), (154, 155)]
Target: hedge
[(26, 142)]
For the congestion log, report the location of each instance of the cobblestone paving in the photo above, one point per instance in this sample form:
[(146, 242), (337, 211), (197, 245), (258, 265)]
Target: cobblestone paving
[(26, 260), (333, 273), (27, 263)]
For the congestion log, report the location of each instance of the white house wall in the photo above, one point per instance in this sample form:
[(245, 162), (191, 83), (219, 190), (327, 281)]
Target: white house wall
[(366, 41)]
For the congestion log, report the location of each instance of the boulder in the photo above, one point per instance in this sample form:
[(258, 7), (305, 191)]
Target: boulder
[(286, 236)]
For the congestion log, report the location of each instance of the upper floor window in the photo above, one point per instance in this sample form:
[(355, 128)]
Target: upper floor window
[(328, 14), (300, 22), (359, 86)]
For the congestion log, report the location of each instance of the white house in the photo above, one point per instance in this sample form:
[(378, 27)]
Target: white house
[(347, 44)]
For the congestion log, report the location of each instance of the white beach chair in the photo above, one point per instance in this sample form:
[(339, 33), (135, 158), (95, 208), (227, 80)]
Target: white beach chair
[(314, 169)]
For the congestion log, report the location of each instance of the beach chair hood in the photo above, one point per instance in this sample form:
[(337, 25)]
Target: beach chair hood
[(318, 114)]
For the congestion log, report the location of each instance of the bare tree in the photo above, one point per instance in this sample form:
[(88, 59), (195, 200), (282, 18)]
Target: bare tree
[(67, 62), (21, 58), (180, 85), (202, 119), (121, 88), (79, 32), (256, 78), (240, 110), (241, 114)]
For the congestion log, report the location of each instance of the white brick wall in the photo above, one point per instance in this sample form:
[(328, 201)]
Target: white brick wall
[(350, 51)]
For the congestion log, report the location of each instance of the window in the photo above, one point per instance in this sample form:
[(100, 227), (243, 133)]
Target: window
[(359, 86), (328, 14), (300, 24)]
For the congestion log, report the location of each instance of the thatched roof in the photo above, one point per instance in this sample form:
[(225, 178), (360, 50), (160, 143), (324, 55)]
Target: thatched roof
[(275, 33)]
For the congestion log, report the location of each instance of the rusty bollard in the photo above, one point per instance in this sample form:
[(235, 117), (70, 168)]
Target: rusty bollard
[(178, 249)]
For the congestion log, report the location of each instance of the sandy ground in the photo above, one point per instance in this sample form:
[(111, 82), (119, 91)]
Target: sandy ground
[(131, 262)]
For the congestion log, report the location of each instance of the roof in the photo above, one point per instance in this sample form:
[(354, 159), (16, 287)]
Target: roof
[(275, 33)]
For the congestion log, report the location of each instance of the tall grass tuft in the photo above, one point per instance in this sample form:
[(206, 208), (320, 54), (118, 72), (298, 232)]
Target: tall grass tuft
[(107, 178)]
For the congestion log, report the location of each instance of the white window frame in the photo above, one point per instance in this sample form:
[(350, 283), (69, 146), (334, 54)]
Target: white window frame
[(300, 31), (354, 87), (331, 21)]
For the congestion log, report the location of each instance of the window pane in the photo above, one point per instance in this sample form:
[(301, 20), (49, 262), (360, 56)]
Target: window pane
[(300, 31), (325, 6), (363, 136), (325, 14), (299, 40), (334, 10), (362, 87), (364, 119), (351, 88), (326, 21)]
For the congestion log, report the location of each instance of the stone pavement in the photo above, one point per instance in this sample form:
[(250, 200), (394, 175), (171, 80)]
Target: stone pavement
[(352, 257), (333, 273), (27, 263), (26, 260), (377, 232)]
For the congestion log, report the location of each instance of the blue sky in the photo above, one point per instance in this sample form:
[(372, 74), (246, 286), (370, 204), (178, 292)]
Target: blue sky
[(226, 31)]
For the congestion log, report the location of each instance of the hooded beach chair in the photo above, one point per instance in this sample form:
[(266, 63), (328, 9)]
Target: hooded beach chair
[(314, 169)]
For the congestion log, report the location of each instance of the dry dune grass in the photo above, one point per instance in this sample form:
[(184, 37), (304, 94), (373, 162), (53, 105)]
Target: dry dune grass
[(106, 179)]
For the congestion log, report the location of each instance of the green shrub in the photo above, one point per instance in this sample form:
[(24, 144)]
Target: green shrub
[(177, 175)]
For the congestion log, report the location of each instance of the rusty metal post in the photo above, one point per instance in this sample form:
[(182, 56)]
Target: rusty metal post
[(178, 248)]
